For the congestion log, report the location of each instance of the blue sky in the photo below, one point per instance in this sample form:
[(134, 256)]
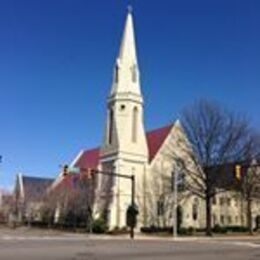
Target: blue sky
[(56, 60)]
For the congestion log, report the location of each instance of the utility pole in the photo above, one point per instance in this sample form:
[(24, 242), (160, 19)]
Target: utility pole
[(175, 202)]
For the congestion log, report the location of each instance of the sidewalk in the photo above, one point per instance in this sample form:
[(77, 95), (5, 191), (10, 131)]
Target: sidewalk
[(27, 232)]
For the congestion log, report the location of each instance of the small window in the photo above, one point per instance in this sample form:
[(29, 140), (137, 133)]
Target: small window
[(134, 125), (229, 220), (122, 107), (222, 201), (229, 201), (214, 219), (116, 73), (222, 219), (160, 208), (110, 126), (195, 209)]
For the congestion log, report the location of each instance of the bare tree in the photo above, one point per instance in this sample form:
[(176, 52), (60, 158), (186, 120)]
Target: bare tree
[(6, 206), (158, 200), (48, 208), (214, 137), (73, 200)]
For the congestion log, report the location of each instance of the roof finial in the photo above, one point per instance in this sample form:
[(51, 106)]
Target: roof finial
[(129, 9)]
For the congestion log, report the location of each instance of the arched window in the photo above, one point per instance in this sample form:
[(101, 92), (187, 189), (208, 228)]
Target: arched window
[(134, 73), (110, 126), (160, 207), (134, 124), (214, 219), (257, 222), (116, 73), (179, 216), (195, 209)]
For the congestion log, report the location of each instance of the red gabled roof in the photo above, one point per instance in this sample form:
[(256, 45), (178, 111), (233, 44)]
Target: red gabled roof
[(68, 181), (155, 139), (88, 159)]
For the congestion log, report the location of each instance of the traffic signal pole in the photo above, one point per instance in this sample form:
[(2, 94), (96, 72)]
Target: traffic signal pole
[(118, 175), (132, 232)]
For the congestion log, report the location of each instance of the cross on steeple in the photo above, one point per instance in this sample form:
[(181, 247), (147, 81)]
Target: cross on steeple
[(129, 9)]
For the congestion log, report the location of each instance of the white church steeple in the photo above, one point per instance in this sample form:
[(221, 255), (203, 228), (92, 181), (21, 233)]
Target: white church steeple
[(126, 73), (127, 50), (125, 128), (124, 148)]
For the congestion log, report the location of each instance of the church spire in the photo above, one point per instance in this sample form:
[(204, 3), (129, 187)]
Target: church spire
[(126, 73), (127, 51)]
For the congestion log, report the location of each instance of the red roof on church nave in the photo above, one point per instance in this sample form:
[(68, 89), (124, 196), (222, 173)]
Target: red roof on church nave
[(155, 139)]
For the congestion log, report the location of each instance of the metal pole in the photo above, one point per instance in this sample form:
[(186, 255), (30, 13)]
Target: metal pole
[(175, 202), (92, 190), (131, 177), (132, 232)]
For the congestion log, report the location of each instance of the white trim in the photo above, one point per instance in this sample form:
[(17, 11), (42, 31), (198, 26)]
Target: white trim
[(77, 157), (108, 159)]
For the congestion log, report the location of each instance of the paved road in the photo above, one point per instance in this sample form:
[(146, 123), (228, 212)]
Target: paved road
[(79, 248)]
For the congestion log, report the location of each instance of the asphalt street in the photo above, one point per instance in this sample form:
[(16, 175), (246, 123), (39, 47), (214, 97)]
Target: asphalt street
[(79, 248)]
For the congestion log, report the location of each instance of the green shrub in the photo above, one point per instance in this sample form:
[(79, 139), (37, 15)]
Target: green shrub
[(224, 229), (99, 226), (187, 231), (219, 229), (237, 229), (155, 229)]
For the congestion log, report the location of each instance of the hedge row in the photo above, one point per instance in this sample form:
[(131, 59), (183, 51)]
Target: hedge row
[(192, 230)]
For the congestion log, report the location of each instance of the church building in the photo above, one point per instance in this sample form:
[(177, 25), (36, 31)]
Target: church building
[(126, 147)]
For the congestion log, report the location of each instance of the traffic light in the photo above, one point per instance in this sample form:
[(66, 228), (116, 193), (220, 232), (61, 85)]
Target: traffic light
[(131, 216), (87, 173), (238, 171), (65, 170)]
